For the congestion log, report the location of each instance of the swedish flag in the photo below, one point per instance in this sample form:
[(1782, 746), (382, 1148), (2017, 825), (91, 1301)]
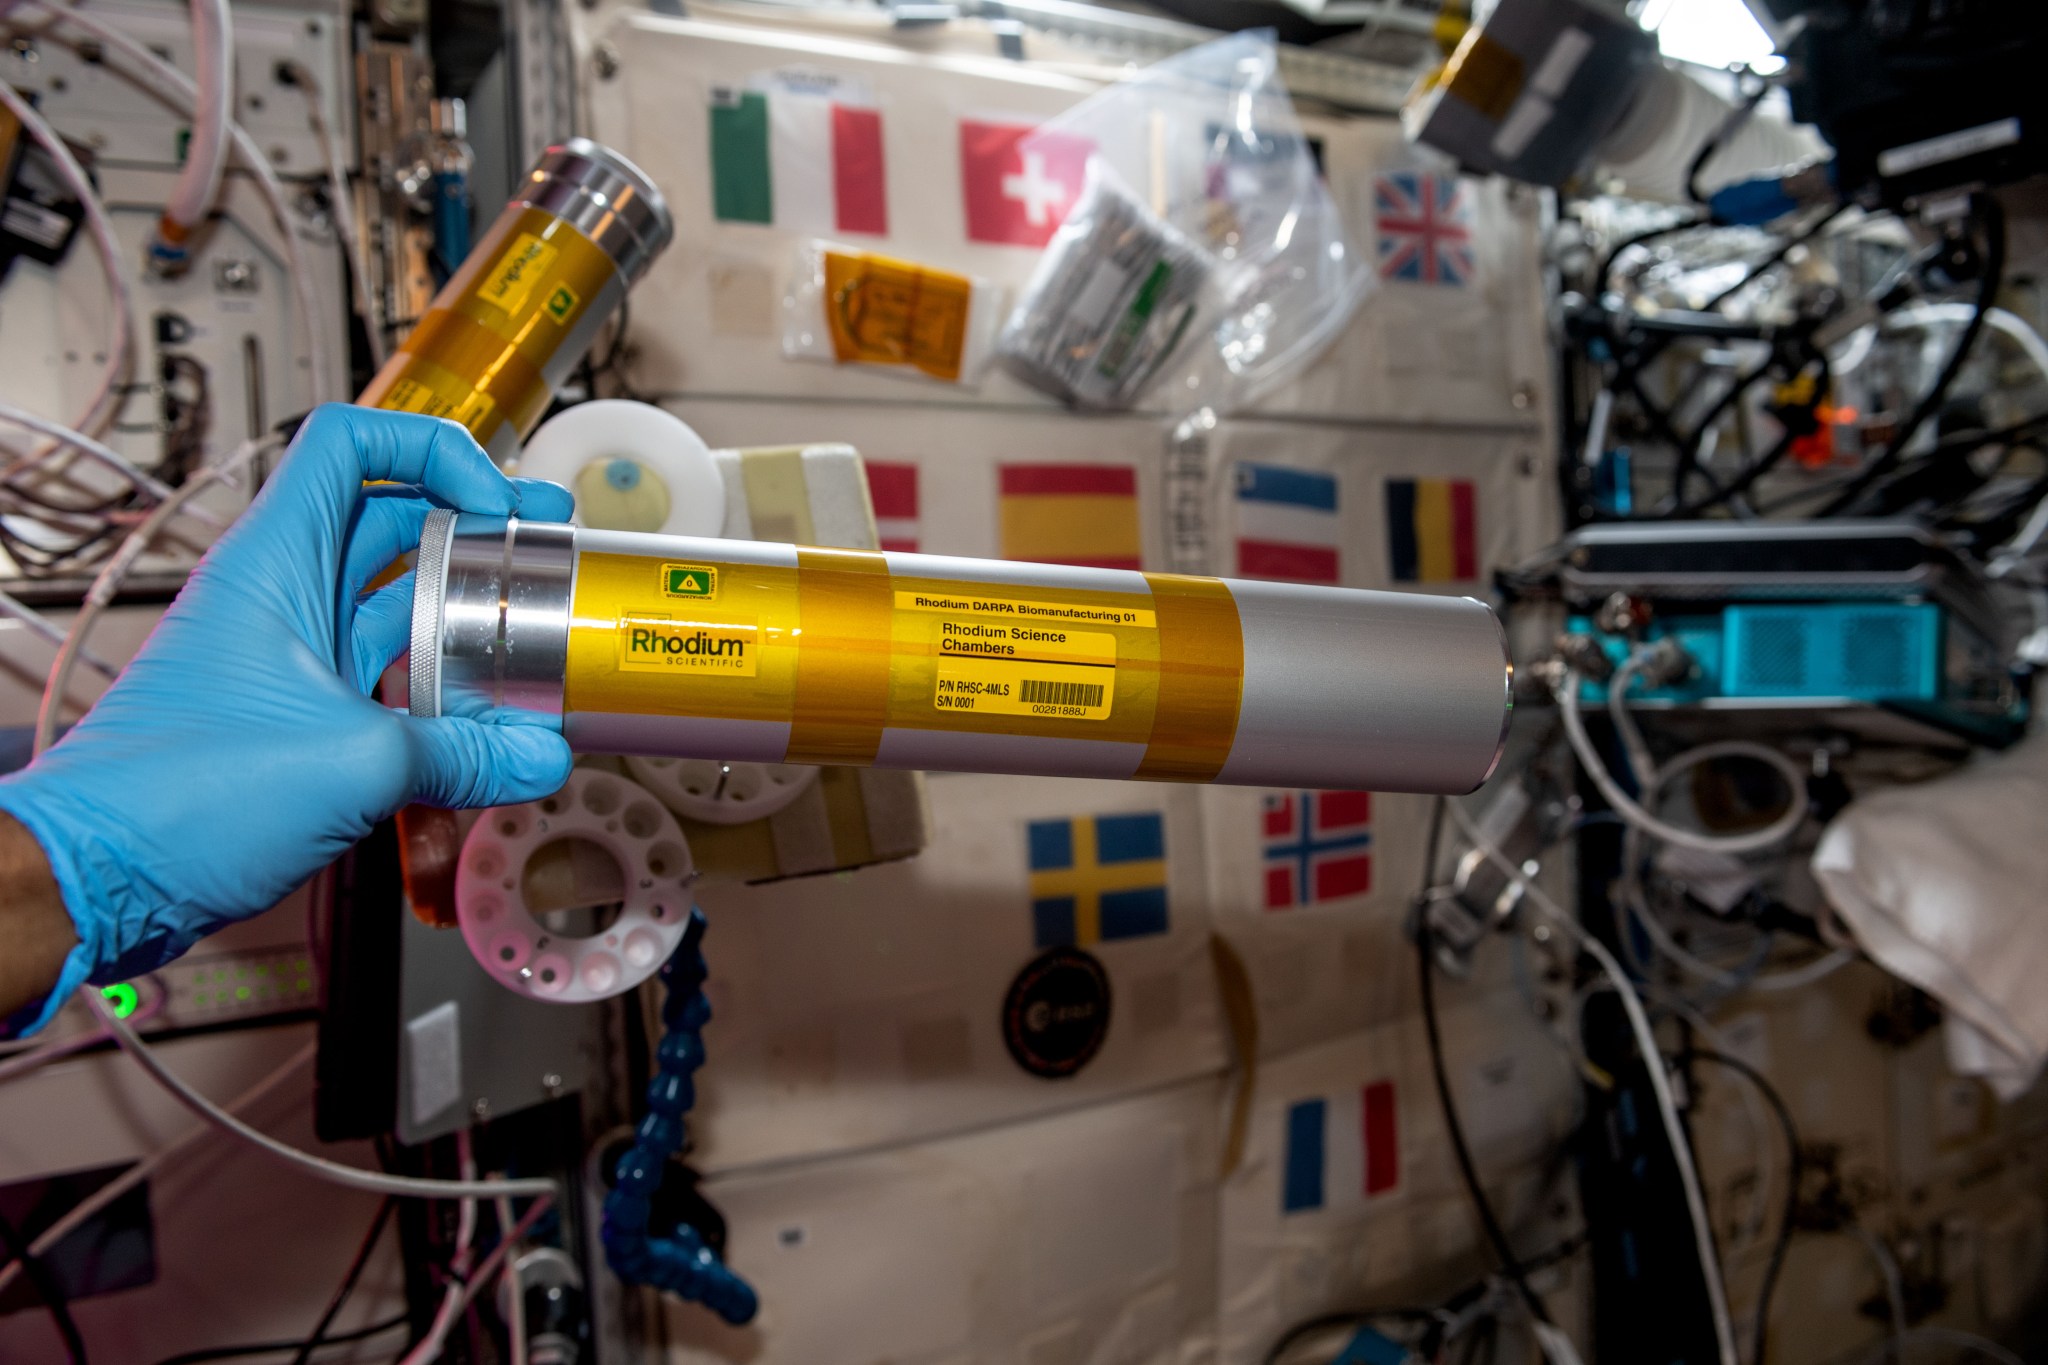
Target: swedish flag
[(1098, 877)]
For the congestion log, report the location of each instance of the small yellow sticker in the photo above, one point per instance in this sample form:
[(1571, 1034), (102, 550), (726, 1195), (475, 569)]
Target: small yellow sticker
[(690, 580), (513, 278), (655, 644)]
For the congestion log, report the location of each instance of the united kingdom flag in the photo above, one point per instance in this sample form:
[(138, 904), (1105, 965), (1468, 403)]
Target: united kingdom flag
[(1318, 847), (1424, 227)]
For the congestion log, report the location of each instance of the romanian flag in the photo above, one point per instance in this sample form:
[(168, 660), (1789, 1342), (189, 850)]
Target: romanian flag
[(1095, 878), (1432, 530), (893, 489), (1084, 514), (1341, 1150)]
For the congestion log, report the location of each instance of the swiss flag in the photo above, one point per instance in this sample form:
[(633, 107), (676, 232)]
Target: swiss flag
[(1019, 182)]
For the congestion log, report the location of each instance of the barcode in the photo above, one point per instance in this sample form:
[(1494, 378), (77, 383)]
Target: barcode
[(1040, 693)]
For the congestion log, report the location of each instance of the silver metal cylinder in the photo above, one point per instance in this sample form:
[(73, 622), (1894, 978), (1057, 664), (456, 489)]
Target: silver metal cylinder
[(746, 651), (606, 198)]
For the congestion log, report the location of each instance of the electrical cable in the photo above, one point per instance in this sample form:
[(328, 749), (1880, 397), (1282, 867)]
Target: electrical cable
[(344, 212), (318, 1337), (100, 408), (452, 1300), (47, 1290), (1496, 1236), (334, 1172), (1729, 126), (1791, 979), (1992, 216), (87, 1208), (1894, 1284), (176, 89), (1629, 810), (428, 1347), (101, 594), (1794, 1171), (35, 1058), (46, 629), (206, 149), (267, 1348), (1653, 1067), (143, 481), (515, 1297)]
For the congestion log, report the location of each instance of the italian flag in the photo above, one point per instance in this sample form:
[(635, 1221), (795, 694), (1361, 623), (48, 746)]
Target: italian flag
[(805, 162)]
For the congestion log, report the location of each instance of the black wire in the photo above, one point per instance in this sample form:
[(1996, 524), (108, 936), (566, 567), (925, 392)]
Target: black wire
[(47, 1290), (1992, 215), (1510, 1265), (265, 1348), (1729, 127), (348, 1282), (1425, 955), (1600, 277), (1793, 1172)]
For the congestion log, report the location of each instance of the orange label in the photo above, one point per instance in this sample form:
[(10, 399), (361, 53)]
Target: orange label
[(888, 312)]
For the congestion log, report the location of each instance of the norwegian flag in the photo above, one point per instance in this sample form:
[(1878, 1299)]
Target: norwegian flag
[(1318, 847), (1424, 228), (893, 489)]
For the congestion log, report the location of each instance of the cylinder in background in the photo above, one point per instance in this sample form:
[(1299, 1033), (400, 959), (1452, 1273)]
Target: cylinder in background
[(528, 301), (744, 651)]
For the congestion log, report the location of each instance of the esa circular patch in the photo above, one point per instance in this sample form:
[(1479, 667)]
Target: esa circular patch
[(1056, 1013)]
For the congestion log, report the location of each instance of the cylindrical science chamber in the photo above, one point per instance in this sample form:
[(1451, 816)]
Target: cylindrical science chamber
[(771, 653), (527, 302)]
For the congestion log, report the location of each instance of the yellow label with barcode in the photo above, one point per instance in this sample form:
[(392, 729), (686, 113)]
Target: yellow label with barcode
[(1014, 669)]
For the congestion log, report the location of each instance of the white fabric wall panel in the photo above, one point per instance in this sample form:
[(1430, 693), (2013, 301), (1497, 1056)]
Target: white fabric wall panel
[(1454, 330), (1348, 1193), (1452, 334), (938, 474), (708, 316), (1084, 1238), (1415, 509), (866, 1008)]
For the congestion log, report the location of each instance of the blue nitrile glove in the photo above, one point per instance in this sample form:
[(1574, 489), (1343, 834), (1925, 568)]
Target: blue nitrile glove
[(241, 751)]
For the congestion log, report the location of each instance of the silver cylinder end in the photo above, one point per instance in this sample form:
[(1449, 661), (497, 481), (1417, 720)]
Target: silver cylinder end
[(429, 582), (606, 198)]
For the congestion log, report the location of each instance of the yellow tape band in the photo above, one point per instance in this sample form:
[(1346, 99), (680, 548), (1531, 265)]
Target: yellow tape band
[(482, 358), (840, 649)]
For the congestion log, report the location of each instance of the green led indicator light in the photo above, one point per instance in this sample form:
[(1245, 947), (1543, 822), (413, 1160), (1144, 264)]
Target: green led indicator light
[(304, 984), (123, 998), (241, 992)]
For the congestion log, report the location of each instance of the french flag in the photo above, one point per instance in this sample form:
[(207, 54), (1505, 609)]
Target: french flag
[(1340, 1150), (1286, 524)]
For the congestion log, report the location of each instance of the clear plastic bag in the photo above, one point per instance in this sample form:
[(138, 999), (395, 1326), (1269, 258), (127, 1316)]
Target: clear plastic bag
[(1204, 261), (846, 306)]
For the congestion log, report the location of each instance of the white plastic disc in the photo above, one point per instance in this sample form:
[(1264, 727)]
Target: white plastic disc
[(631, 467), (722, 793), (517, 949)]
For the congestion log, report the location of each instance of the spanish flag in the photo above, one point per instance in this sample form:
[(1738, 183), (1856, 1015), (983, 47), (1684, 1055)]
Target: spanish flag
[(1432, 530), (1085, 514)]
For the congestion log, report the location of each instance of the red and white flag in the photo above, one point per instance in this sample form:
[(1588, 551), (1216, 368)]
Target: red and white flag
[(893, 487), (1017, 182)]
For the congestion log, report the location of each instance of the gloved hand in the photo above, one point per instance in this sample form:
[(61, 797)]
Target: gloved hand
[(240, 752)]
